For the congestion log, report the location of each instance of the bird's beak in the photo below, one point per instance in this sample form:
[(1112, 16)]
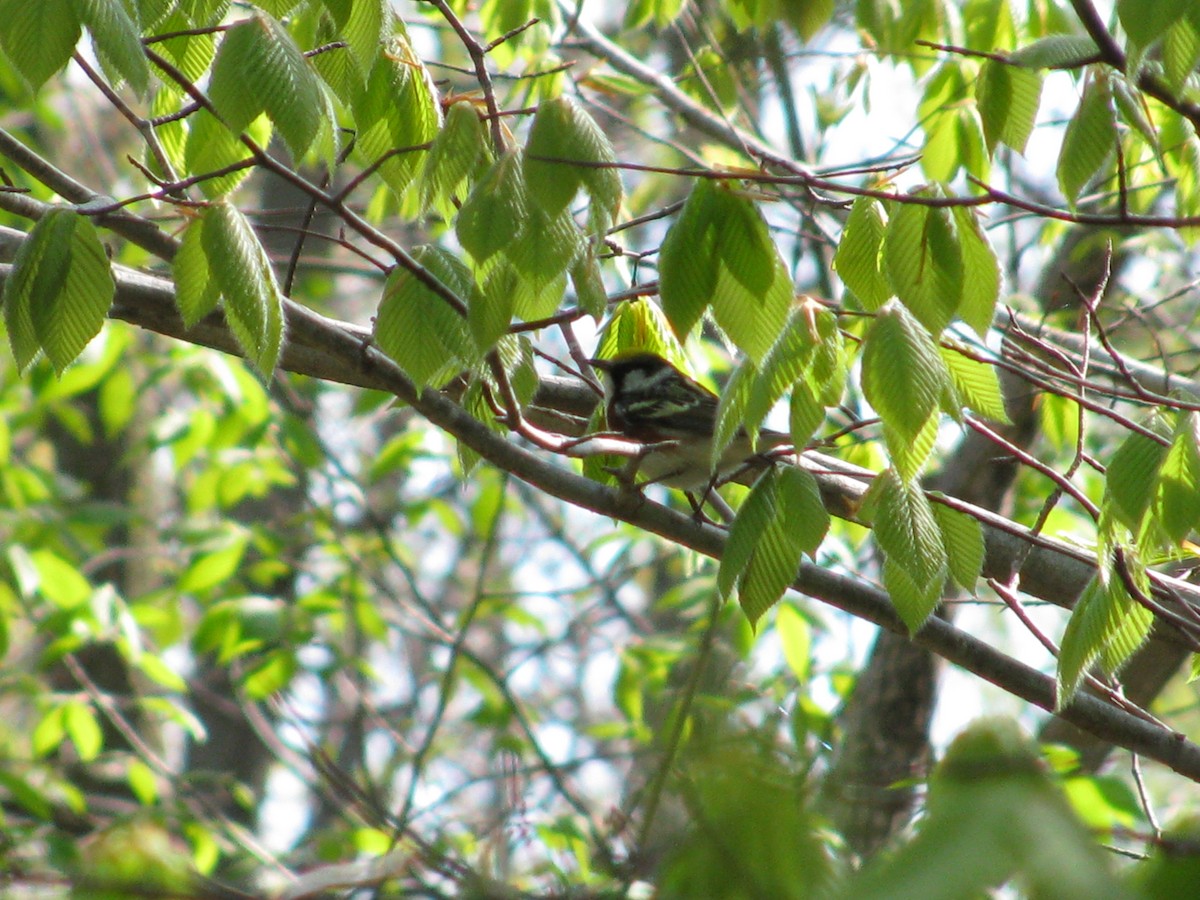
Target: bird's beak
[(602, 364)]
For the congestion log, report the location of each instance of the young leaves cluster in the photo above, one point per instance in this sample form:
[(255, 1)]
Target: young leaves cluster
[(1151, 505)]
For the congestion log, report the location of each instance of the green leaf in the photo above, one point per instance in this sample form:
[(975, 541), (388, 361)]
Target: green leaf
[(1058, 51), (1090, 139), (795, 637), (975, 385), (903, 374), (731, 411), (49, 732), (364, 29), (784, 518), (1008, 98), (924, 261), (38, 38), (38, 273), (117, 41), (1132, 478), (859, 257), (754, 517), (397, 115), (1060, 422), (910, 453), (58, 580), (688, 265), (1104, 611), (416, 325), (495, 212), (253, 301), (993, 816), (590, 293), (1181, 53), (743, 242), (543, 251), (60, 289), (490, 312), (906, 530), (981, 268), (1177, 501), (804, 517), (805, 415), (196, 290), (456, 153), (562, 134), (1145, 21), (962, 536), (271, 674), (212, 147), (216, 566), (752, 323), (259, 68), (81, 726)]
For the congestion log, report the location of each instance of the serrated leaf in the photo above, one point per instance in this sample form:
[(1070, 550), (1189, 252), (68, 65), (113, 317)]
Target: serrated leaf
[(688, 265), (1105, 612), (640, 325), (38, 273), (923, 258), (589, 285), (1145, 21), (731, 410), (743, 241), (364, 29), (417, 327), (456, 153), (981, 266), (903, 374), (196, 291), (1008, 98), (1090, 138), (1058, 51), (753, 324), (909, 454), (259, 68), (397, 115), (1177, 500), (1132, 478), (976, 385), (563, 133), (786, 521), (490, 313), (916, 568), (1181, 53), (253, 301), (212, 147), (754, 516), (59, 291), (494, 213), (544, 249), (805, 415), (115, 36), (804, 515), (962, 536), (66, 322), (38, 38)]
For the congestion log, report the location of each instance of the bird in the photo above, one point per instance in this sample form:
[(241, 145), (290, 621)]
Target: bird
[(651, 402)]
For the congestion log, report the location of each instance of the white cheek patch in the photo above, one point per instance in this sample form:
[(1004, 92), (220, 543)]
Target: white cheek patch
[(641, 380)]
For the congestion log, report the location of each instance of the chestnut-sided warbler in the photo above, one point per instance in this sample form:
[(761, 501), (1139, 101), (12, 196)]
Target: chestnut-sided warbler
[(653, 403)]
